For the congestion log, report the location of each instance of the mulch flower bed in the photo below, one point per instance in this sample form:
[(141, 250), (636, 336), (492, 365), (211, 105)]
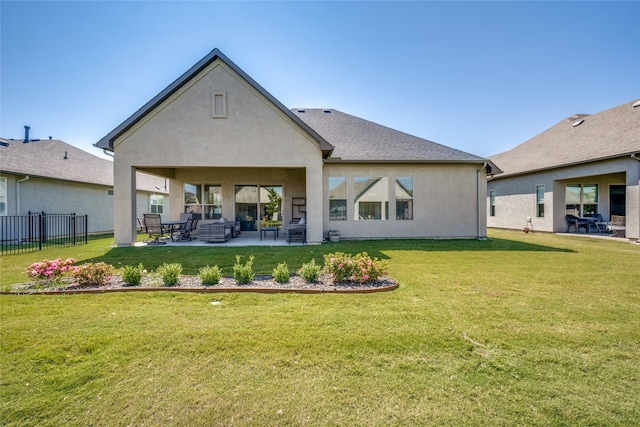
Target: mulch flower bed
[(265, 284)]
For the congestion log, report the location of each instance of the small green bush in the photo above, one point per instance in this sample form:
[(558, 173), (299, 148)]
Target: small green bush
[(132, 274), (92, 274), (281, 273), (243, 274), (210, 275), (310, 271), (170, 273)]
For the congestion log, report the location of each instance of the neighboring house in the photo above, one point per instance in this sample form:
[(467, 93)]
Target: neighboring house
[(54, 177), (584, 165), (226, 144)]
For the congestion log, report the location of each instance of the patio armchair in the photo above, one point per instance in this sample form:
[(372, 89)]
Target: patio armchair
[(153, 227), (215, 232), (617, 225), (296, 232), (577, 223)]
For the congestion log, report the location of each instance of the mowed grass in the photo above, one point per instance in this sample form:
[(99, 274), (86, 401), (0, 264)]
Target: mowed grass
[(532, 329)]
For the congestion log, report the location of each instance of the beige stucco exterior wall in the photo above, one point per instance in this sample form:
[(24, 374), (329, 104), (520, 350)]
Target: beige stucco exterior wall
[(181, 134), (449, 201), (516, 198)]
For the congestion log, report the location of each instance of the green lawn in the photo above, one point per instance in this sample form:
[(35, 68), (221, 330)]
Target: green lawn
[(521, 329)]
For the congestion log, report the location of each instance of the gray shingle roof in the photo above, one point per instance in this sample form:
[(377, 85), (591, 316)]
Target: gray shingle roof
[(359, 140), (608, 134), (46, 159)]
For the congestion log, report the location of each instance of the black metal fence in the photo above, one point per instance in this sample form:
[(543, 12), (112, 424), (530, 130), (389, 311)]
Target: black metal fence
[(39, 230)]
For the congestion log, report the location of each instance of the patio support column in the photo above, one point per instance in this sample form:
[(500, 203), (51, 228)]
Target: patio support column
[(632, 208), (124, 189), (314, 202)]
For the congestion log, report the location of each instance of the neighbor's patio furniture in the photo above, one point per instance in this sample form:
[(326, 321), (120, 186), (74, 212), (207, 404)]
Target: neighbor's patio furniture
[(296, 232), (617, 225), (215, 232), (265, 230), (577, 223), (153, 227), (598, 222)]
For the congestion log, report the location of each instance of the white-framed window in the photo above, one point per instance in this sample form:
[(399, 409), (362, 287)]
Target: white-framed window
[(3, 196), (371, 201), (337, 198), (540, 201), (156, 204), (404, 198)]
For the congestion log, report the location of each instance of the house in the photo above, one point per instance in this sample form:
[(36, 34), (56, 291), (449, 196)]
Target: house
[(584, 165), (225, 143), (55, 177)]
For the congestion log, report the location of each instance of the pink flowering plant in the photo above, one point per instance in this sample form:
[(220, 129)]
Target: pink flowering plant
[(98, 273), (50, 272), (359, 268)]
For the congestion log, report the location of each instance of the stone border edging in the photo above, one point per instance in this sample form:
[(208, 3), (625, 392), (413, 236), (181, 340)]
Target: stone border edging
[(212, 290)]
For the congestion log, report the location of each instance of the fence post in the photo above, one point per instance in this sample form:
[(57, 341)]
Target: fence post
[(73, 227)]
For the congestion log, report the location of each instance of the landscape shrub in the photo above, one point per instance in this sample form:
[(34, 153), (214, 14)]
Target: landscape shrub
[(310, 271), (243, 273), (360, 268), (98, 273), (281, 273), (170, 273), (210, 275), (132, 274), (49, 272)]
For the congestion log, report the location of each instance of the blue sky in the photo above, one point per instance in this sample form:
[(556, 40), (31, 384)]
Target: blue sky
[(479, 76)]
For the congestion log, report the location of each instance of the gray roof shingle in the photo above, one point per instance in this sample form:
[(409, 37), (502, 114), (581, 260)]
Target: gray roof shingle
[(608, 134), (359, 140), (46, 159)]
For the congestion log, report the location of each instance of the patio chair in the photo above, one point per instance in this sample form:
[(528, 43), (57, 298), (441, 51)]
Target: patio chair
[(296, 232), (599, 222), (617, 226), (577, 223), (153, 227), (190, 225), (141, 224)]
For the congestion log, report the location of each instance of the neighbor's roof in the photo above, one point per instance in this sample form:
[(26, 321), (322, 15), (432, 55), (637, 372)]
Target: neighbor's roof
[(107, 141), (55, 159), (359, 140), (581, 138)]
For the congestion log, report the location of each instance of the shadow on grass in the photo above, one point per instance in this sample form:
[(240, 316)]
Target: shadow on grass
[(266, 258)]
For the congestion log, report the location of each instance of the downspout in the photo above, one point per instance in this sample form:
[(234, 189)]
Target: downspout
[(478, 213), (635, 156), (107, 153), (26, 178)]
